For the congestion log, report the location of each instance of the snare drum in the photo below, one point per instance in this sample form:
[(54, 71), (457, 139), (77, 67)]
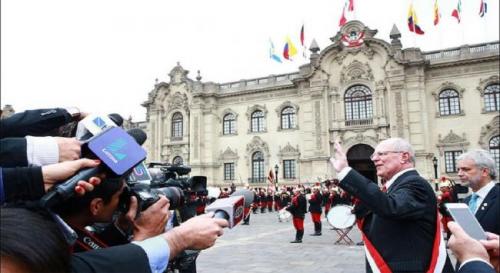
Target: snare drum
[(341, 217), (284, 215)]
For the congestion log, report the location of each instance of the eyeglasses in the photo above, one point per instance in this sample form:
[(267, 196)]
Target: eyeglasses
[(380, 154)]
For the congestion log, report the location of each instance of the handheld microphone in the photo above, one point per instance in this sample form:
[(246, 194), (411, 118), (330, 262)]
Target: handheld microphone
[(119, 153), (231, 208), (93, 124)]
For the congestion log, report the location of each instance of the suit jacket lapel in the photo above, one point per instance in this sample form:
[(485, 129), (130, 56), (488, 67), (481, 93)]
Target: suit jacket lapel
[(487, 203)]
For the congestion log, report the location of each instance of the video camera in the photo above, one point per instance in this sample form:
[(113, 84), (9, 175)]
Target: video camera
[(163, 179)]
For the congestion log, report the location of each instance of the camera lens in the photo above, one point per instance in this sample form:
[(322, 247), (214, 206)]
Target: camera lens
[(174, 195)]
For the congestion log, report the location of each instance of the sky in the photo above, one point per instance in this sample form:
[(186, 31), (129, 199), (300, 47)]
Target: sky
[(103, 56)]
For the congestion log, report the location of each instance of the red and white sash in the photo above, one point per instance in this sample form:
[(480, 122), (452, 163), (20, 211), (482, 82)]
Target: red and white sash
[(378, 265)]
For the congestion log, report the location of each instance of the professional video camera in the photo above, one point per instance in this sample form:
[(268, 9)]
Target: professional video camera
[(164, 179)]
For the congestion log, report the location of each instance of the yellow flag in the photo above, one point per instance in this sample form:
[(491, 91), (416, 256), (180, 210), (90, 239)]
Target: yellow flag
[(292, 50)]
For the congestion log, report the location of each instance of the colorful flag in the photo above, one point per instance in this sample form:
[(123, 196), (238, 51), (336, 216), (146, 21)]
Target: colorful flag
[(457, 11), (413, 21), (272, 54), (343, 20), (286, 53), (437, 15), (270, 176), (289, 50), (351, 5), (302, 35), (483, 9)]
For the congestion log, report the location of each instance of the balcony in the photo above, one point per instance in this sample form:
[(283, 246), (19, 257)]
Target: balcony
[(359, 122), (256, 180)]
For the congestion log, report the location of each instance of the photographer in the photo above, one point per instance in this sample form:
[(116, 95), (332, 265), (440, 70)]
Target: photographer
[(99, 206), (49, 253)]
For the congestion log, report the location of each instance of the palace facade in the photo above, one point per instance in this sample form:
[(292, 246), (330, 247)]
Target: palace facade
[(360, 89)]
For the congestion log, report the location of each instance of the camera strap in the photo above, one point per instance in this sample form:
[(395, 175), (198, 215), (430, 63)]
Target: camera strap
[(87, 241)]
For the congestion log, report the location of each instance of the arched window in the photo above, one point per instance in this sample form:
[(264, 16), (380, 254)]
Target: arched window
[(178, 160), (177, 125), (257, 121), (449, 102), (358, 103), (495, 149), (492, 97), (288, 118), (257, 167), (229, 123)]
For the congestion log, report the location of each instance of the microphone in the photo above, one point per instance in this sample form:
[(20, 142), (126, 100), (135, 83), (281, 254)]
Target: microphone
[(119, 153), (93, 124), (232, 208)]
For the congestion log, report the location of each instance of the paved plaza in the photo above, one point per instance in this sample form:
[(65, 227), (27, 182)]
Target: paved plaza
[(264, 246)]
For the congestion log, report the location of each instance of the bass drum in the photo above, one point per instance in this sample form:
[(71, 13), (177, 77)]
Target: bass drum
[(284, 215), (341, 217)]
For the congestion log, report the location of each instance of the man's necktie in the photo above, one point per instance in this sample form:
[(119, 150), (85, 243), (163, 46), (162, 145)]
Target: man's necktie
[(473, 203)]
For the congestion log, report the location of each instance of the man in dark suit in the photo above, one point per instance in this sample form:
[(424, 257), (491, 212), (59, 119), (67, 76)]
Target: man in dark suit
[(472, 254), (477, 169), (403, 229)]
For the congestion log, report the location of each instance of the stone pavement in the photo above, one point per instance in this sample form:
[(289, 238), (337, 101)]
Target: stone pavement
[(264, 247)]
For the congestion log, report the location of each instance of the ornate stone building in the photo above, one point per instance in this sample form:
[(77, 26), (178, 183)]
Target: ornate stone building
[(360, 90)]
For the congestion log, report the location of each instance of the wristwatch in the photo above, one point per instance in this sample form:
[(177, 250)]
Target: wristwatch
[(74, 112)]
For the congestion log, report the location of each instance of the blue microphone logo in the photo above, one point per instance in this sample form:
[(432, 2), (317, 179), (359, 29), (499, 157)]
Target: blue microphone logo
[(99, 122), (114, 151)]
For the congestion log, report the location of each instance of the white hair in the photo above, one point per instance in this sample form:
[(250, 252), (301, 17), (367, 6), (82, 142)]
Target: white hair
[(482, 159), (401, 145)]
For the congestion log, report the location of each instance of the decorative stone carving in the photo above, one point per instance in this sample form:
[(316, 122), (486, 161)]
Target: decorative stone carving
[(289, 151), (287, 104), (485, 82), (356, 71), (257, 144), (448, 85), (488, 131), (360, 138), (178, 74), (451, 141), (178, 101), (254, 108), (228, 154)]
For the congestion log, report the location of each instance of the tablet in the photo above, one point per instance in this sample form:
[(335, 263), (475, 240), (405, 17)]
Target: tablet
[(464, 217)]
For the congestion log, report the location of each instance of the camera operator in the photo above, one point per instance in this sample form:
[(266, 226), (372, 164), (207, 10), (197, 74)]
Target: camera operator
[(99, 206), (31, 183)]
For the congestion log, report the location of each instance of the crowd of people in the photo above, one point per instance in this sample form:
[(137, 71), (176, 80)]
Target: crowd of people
[(401, 219), (37, 155)]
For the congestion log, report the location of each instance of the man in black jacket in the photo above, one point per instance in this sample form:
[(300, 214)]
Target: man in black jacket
[(404, 231), (298, 209)]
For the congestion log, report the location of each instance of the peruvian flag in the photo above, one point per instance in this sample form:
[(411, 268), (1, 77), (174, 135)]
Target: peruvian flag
[(342, 20), (270, 176), (351, 5)]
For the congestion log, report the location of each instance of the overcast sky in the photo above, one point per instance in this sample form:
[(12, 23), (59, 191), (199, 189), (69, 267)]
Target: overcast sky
[(104, 56)]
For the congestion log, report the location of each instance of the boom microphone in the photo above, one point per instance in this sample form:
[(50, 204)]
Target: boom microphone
[(118, 151)]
